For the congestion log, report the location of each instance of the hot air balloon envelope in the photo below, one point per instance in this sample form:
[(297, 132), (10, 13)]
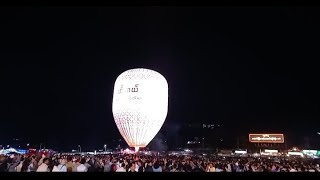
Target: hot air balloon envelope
[(140, 105)]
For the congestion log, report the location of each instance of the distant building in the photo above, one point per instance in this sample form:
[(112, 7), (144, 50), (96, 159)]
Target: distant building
[(203, 135)]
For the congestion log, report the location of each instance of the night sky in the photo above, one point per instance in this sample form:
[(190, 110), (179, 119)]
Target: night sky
[(250, 69)]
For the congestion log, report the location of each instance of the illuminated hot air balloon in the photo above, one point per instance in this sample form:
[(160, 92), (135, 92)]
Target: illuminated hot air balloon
[(140, 105)]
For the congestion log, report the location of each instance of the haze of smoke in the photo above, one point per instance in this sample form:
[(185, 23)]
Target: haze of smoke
[(158, 144)]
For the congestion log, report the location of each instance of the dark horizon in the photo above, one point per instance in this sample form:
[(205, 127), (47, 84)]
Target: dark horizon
[(249, 69)]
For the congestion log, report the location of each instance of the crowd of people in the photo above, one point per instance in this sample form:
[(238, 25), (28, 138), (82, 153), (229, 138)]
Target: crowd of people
[(165, 163)]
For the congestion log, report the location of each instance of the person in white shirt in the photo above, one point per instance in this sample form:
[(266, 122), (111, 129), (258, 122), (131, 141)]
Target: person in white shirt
[(107, 166), (312, 170), (137, 166), (219, 168), (292, 169), (62, 166), (82, 167), (156, 167), (44, 165), (41, 160), (228, 168), (18, 168), (87, 163), (122, 168), (132, 167), (55, 168)]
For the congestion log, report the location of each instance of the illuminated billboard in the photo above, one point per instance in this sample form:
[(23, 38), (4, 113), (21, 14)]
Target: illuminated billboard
[(266, 138), (310, 152)]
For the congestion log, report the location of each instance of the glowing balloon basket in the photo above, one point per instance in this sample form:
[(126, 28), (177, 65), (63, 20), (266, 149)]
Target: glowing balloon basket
[(140, 105)]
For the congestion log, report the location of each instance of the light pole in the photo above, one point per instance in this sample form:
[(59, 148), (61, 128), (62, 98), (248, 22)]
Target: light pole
[(79, 148), (105, 147)]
